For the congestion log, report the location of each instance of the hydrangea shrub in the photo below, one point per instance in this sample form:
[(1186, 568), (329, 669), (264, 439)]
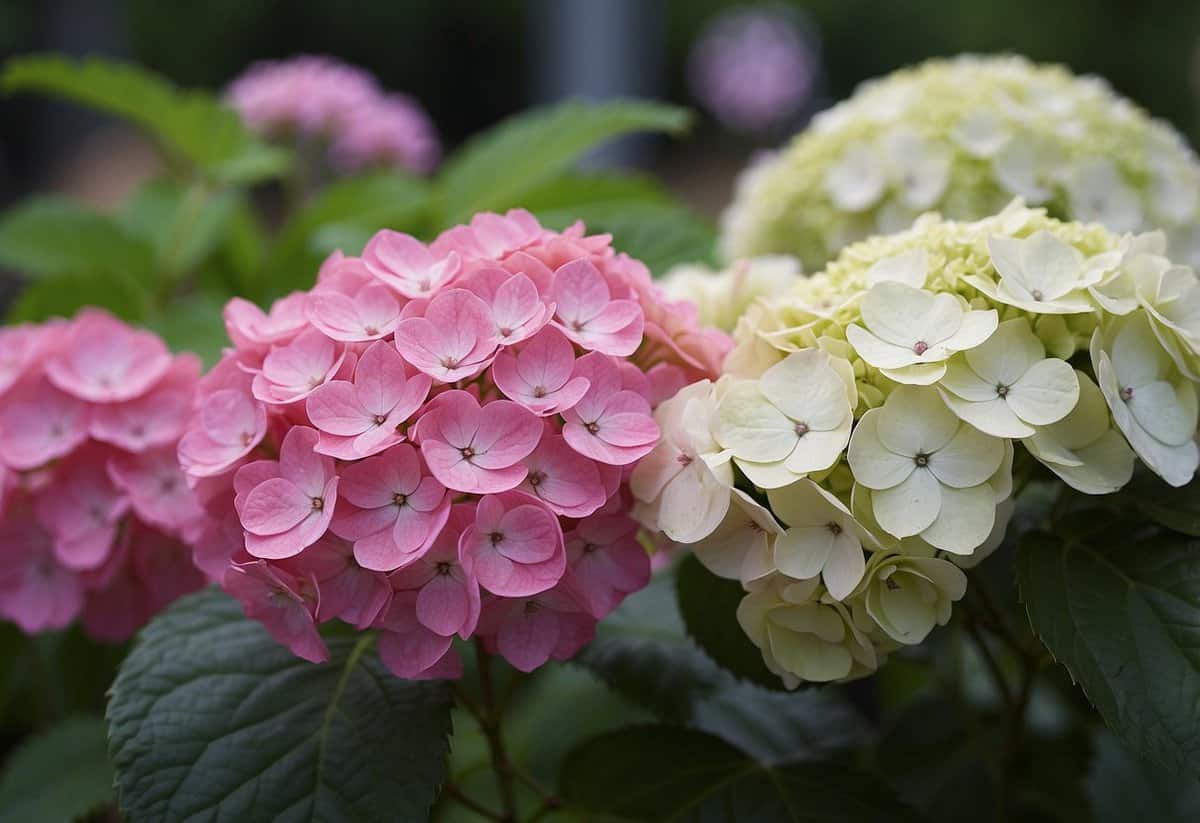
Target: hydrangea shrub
[(95, 513), (859, 447), (434, 442), (963, 137)]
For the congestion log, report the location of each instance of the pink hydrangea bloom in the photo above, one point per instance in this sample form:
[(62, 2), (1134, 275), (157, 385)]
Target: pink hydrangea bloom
[(434, 443), (315, 98), (95, 513)]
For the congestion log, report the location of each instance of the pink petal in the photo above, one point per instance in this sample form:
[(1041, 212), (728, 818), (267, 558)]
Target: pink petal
[(335, 408), (406, 264), (275, 506), (445, 607), (528, 637), (580, 292), (506, 435), (300, 463)]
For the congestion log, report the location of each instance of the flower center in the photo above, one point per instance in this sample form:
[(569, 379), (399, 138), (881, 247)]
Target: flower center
[(891, 584), (536, 478), (505, 332), (371, 330), (834, 528), (496, 538), (577, 325), (588, 548), (921, 459), (442, 569), (380, 419), (920, 347), (1127, 393), (801, 429), (539, 391), (467, 452), (399, 499), (593, 427), (1001, 389), (684, 459), (318, 504), (1037, 295), (450, 362)]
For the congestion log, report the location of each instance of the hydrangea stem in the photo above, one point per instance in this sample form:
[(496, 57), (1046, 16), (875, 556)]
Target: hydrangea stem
[(488, 716)]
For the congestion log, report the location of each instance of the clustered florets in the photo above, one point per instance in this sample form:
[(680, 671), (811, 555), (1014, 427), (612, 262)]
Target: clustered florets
[(95, 512), (963, 137), (433, 442), (326, 103), (860, 446)]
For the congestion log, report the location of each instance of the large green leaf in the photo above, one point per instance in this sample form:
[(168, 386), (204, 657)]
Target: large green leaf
[(211, 719), (1121, 610), (63, 295), (709, 607), (664, 773), (52, 235), (643, 651), (1122, 788), (59, 775), (572, 190), (1176, 508), (344, 214), (497, 168), (192, 126), (184, 224)]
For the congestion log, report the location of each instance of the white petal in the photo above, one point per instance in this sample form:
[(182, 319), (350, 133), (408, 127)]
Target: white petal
[(976, 327), (1005, 356), (856, 181), (873, 464), (801, 551), (746, 527), (752, 428), (1159, 411), (845, 566), (992, 417), (961, 380), (1105, 466), (965, 519), (969, 459), (818, 450), (1017, 169), (910, 268), (692, 504), (918, 374), (805, 387), (1046, 394), (982, 133), (915, 421), (1050, 268), (910, 507), (1174, 464), (1137, 356), (879, 353), (899, 314), (767, 475)]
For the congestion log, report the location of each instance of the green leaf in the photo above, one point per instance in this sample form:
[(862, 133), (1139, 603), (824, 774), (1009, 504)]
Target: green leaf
[(48, 236), (359, 205), (496, 169), (192, 324), (643, 651), (660, 235), (59, 775), (1121, 611), (1122, 788), (190, 125), (572, 190), (1176, 508), (709, 607), (664, 773), (210, 718), (184, 224), (63, 295)]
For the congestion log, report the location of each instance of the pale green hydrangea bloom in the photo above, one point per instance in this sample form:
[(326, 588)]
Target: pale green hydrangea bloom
[(723, 296), (963, 137), (859, 449)]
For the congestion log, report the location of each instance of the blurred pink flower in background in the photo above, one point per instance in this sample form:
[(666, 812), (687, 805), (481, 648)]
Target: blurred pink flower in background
[(319, 101), (95, 513), (754, 68)]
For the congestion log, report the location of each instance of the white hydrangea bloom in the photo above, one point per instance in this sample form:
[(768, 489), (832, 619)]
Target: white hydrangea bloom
[(741, 546), (793, 420), (822, 538), (803, 638), (907, 596), (1006, 385), (683, 484), (1083, 448), (927, 471), (964, 136), (1152, 403), (724, 296), (1039, 274), (910, 333)]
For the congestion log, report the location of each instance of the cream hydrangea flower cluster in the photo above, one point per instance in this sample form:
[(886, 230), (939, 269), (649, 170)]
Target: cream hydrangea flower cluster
[(963, 137), (858, 449), (723, 296)]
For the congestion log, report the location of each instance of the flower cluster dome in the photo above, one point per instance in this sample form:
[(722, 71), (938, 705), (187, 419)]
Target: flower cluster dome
[(434, 441), (95, 513), (859, 447), (963, 137), (322, 100)]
